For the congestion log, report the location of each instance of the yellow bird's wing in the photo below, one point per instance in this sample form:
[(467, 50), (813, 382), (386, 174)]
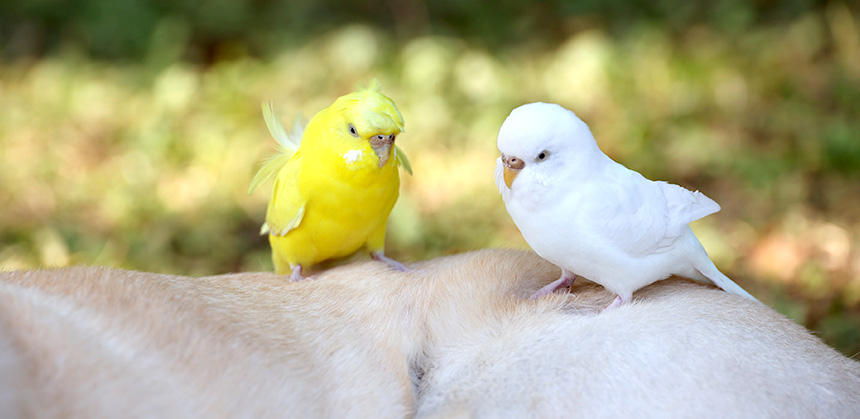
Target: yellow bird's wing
[(287, 206)]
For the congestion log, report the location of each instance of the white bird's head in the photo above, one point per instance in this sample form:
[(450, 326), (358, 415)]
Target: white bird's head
[(540, 142)]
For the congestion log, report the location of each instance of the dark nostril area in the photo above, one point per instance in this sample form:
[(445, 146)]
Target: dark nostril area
[(513, 162)]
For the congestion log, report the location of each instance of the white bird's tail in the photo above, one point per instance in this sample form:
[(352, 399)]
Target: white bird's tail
[(710, 272)]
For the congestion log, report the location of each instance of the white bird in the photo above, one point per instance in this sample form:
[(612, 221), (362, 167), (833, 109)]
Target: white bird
[(593, 217)]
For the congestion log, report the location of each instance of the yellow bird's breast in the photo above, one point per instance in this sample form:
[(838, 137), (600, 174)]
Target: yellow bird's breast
[(348, 200)]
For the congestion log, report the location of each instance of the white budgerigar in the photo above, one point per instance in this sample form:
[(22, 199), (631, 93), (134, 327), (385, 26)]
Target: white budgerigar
[(593, 217)]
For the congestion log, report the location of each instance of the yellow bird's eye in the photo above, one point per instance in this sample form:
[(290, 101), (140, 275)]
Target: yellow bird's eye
[(352, 130)]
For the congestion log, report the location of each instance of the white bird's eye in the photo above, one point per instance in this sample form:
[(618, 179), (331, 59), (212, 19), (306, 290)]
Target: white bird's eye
[(353, 131), (542, 156)]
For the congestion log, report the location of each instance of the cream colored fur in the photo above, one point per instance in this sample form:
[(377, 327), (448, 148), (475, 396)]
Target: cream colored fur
[(454, 337)]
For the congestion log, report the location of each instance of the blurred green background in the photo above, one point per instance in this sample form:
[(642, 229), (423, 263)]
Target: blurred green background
[(130, 129)]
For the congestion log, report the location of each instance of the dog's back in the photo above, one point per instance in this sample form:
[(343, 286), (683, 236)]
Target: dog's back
[(681, 350), (455, 336), (95, 342)]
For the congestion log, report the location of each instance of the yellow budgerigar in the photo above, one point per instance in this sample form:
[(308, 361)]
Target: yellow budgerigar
[(335, 187)]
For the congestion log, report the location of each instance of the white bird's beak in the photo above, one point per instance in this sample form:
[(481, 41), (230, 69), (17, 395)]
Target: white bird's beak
[(513, 165), (381, 145)]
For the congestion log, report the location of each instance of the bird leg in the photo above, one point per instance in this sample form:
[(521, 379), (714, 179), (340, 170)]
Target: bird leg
[(296, 276), (618, 301), (565, 280), (380, 256)]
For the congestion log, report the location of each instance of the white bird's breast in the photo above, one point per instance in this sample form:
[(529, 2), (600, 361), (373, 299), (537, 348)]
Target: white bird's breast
[(551, 227), (562, 229)]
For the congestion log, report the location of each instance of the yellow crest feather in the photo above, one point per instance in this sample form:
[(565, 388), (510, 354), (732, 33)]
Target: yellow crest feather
[(287, 146)]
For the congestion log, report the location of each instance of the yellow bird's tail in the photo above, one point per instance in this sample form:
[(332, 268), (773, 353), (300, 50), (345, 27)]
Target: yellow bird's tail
[(287, 146)]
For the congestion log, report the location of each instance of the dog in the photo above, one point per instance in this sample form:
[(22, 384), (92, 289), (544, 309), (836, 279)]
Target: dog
[(454, 337)]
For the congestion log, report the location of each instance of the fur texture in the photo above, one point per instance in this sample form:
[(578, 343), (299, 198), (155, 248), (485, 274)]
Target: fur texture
[(456, 336)]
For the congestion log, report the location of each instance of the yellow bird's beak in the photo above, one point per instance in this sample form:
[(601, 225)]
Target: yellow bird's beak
[(513, 166), (381, 145)]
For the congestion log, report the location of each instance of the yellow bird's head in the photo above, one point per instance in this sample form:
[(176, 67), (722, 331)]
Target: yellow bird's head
[(366, 115)]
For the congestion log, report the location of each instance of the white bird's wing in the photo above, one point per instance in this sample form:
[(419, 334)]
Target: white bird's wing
[(641, 216), (684, 206)]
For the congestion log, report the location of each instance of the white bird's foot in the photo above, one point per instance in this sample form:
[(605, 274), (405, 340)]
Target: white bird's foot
[(618, 301), (565, 280), (296, 276), (379, 256)]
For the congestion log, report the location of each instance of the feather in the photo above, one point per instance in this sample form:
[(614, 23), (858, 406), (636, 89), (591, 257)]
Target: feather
[(270, 168), (290, 143), (287, 146), (402, 160)]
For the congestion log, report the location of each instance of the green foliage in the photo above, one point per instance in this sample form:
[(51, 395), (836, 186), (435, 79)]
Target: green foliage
[(223, 28)]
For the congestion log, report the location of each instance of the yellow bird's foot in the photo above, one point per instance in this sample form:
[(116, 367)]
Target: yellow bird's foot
[(296, 276), (388, 261)]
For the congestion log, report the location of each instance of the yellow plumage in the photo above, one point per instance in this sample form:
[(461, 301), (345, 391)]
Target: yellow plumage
[(334, 189)]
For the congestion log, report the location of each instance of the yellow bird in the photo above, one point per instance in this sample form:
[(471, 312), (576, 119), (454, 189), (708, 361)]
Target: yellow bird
[(335, 187)]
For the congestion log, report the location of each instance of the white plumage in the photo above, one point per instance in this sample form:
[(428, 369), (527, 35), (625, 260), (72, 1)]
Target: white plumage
[(593, 217)]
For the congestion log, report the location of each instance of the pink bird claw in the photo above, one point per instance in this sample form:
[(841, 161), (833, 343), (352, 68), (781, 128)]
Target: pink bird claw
[(379, 256), (617, 302), (296, 275), (564, 281)]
